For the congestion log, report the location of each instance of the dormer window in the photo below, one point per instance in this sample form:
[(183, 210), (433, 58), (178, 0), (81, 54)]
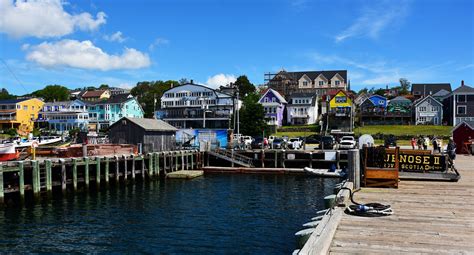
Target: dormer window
[(321, 83), (338, 83), (305, 83)]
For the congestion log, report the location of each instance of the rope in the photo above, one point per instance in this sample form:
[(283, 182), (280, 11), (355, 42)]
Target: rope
[(367, 210)]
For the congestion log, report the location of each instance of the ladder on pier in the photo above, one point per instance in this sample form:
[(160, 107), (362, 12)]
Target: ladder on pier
[(232, 157)]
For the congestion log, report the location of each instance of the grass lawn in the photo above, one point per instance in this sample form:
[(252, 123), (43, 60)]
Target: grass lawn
[(294, 134), (405, 130)]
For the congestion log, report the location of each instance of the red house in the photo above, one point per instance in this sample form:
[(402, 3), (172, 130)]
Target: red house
[(461, 134)]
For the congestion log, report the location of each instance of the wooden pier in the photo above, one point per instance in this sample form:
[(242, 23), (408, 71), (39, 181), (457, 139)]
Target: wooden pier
[(42, 176), (429, 218)]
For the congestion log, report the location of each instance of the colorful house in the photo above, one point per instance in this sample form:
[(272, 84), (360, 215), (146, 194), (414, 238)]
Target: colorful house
[(274, 105), (19, 114), (399, 111), (372, 110), (102, 114), (95, 95), (341, 104), (64, 116), (462, 133)]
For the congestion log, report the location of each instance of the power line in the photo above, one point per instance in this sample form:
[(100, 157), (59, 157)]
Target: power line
[(13, 74)]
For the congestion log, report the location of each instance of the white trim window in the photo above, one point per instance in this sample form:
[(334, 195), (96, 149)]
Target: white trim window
[(422, 108), (461, 109), (461, 98), (321, 83)]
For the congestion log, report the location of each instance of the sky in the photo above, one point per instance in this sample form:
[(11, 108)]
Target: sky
[(88, 43)]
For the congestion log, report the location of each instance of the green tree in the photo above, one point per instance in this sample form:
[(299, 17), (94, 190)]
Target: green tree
[(252, 116), (5, 95), (404, 86), (244, 85), (53, 93), (147, 91), (104, 86)]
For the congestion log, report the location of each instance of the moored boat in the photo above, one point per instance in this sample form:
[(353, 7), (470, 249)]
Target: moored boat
[(324, 172), (8, 152)]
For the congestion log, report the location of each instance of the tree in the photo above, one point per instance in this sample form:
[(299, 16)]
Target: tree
[(364, 90), (252, 116), (147, 91), (104, 86), (244, 85), (404, 86), (53, 93), (183, 81), (5, 95)]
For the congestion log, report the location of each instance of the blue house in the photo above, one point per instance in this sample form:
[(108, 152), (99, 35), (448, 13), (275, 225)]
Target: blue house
[(64, 116), (372, 110), (102, 114)]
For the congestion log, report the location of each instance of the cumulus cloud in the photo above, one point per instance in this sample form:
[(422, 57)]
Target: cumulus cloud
[(84, 55), (115, 37), (157, 42), (44, 18), (220, 80)]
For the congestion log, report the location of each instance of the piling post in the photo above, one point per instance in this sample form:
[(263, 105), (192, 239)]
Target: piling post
[(283, 157), (150, 164), (133, 166), (157, 163), (125, 168), (74, 173), (117, 172), (21, 179), (86, 169), (176, 162), (263, 158), (49, 175), (106, 159), (2, 190), (143, 167), (165, 165), (354, 168), (310, 159), (182, 160), (276, 159), (63, 175), (338, 159), (97, 172), (36, 177), (192, 159), (232, 155)]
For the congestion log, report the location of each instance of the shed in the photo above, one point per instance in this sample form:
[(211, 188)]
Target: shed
[(461, 134), (153, 134)]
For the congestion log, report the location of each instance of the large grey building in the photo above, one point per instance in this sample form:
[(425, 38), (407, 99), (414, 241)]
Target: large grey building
[(428, 111)]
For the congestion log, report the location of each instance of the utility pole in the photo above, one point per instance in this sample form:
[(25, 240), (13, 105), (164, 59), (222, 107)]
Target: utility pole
[(238, 117), (154, 105)]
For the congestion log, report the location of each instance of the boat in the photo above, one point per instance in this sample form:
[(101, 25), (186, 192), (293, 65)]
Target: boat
[(324, 172), (43, 140), (8, 152)]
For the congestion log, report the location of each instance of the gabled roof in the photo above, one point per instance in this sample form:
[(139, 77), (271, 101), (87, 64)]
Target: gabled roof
[(469, 123), (314, 74), (368, 101), (65, 103), (93, 93), (400, 99), (277, 95), (295, 95), (464, 89), (441, 93), (148, 124), (426, 88), (419, 101), (12, 101), (115, 99)]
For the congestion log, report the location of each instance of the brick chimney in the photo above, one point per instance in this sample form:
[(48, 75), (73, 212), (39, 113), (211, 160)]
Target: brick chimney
[(462, 83), (192, 82)]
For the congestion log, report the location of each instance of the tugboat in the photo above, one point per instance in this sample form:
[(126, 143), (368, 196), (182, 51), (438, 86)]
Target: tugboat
[(8, 152)]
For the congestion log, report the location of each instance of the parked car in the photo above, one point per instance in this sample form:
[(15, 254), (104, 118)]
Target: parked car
[(257, 143), (278, 143), (327, 142), (313, 140), (347, 142), (295, 143)]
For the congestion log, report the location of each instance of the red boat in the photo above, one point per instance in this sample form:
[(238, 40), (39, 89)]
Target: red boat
[(8, 152)]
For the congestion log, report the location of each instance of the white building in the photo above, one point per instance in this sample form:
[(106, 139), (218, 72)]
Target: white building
[(302, 109), (196, 106)]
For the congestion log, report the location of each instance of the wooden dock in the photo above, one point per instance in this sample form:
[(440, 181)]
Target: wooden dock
[(429, 217)]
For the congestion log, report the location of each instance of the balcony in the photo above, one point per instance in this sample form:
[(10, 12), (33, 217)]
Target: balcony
[(8, 116)]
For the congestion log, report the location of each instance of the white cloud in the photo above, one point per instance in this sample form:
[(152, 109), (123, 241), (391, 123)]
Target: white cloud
[(115, 37), (44, 18), (84, 55), (220, 80), (157, 42), (375, 19)]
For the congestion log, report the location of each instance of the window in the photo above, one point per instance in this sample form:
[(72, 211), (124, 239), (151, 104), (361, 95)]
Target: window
[(321, 83), (461, 99), (341, 99), (381, 102), (25, 108), (422, 108), (337, 83), (273, 99), (305, 83), (434, 108), (265, 100), (461, 109)]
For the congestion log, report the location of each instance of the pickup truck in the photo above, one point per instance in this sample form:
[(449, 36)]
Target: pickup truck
[(295, 143), (347, 142)]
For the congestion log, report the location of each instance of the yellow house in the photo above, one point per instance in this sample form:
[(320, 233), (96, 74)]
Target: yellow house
[(20, 114), (341, 104)]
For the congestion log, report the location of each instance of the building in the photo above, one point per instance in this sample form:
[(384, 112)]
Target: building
[(117, 91), (196, 106), (399, 111), (372, 110), (274, 106), (440, 95), (428, 111), (20, 114), (314, 82), (461, 133), (302, 109), (459, 105), (64, 116), (341, 111), (104, 113), (94, 95), (419, 90), (153, 134)]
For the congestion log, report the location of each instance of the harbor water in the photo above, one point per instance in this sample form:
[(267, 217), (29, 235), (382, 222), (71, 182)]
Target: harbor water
[(214, 214)]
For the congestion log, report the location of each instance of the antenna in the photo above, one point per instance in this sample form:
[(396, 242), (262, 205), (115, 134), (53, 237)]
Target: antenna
[(13, 74)]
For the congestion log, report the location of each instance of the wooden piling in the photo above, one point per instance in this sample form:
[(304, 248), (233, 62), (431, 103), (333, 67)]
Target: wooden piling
[(276, 159), (133, 166), (125, 168), (165, 171), (49, 175), (143, 166), (182, 160), (310, 159), (21, 183), (2, 190), (86, 170), (192, 160), (63, 175), (354, 168), (36, 177), (117, 167), (74, 174), (157, 163), (176, 165), (107, 168), (97, 172), (283, 158), (150, 164)]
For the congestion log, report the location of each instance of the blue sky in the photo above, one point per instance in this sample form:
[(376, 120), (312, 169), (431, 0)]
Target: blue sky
[(82, 43)]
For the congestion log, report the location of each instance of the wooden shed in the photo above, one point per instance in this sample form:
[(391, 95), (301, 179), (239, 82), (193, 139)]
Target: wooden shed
[(154, 135), (461, 134)]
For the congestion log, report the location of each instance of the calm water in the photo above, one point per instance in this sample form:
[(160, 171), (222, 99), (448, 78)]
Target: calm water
[(231, 214)]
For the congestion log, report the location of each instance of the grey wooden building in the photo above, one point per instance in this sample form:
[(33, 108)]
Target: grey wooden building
[(428, 111), (154, 135)]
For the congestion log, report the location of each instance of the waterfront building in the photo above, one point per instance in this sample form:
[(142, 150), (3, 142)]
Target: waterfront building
[(102, 114), (341, 111), (20, 114), (399, 111), (372, 110), (274, 105), (95, 95), (302, 109), (459, 105), (428, 111), (64, 116), (419, 90), (314, 82), (196, 106), (154, 135)]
